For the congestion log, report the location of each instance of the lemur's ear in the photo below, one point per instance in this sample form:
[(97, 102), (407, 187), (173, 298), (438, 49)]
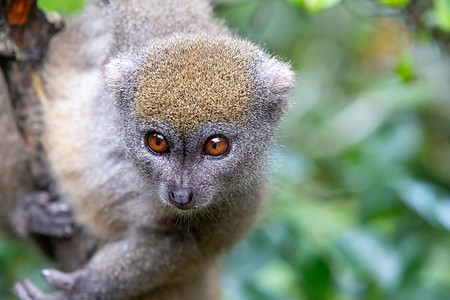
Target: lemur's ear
[(118, 70), (274, 80)]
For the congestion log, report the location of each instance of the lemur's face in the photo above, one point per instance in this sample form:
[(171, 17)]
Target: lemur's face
[(200, 169), (199, 115)]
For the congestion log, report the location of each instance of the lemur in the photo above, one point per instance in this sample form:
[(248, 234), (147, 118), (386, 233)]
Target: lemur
[(159, 126)]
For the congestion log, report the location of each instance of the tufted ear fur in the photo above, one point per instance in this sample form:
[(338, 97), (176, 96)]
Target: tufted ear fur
[(274, 80), (118, 70)]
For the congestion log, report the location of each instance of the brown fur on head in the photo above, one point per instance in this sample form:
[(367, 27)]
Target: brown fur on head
[(196, 81)]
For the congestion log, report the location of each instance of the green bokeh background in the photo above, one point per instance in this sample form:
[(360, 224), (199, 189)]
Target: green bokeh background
[(361, 180)]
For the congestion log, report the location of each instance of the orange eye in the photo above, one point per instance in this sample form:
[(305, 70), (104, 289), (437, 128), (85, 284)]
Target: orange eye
[(157, 143), (216, 146)]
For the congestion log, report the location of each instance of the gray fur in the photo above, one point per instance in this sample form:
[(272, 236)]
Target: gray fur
[(118, 189)]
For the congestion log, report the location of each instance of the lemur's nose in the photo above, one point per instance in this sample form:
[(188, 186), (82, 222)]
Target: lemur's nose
[(181, 198)]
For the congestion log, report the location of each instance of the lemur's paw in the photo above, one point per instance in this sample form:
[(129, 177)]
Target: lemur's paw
[(46, 217), (26, 290)]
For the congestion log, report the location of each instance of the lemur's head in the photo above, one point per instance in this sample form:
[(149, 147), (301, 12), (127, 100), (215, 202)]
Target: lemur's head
[(199, 114)]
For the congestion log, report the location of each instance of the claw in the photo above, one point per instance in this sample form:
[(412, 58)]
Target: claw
[(68, 230), (58, 279), (58, 208)]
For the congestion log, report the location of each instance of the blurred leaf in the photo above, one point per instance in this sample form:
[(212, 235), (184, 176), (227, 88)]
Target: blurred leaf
[(406, 68), (442, 10), (371, 254), (366, 114), (316, 278), (397, 142), (436, 267), (414, 253), (296, 2), (423, 199), (63, 7), (319, 219), (278, 276), (395, 3), (292, 167), (314, 6)]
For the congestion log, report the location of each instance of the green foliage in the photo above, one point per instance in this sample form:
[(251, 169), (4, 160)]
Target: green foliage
[(361, 187), (63, 7), (315, 5), (442, 10), (395, 3)]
